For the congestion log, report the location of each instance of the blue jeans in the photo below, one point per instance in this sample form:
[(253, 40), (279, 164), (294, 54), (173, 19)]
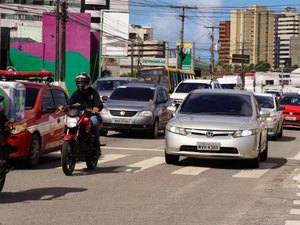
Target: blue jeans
[(95, 129)]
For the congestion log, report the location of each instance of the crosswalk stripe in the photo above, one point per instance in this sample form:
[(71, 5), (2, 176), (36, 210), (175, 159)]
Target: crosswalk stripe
[(106, 158), (295, 211), (256, 173), (139, 166), (296, 157), (292, 222), (190, 170)]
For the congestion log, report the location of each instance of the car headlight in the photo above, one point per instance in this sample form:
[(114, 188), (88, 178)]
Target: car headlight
[(176, 130), (72, 121), (271, 119), (19, 128), (104, 111), (146, 113), (245, 133)]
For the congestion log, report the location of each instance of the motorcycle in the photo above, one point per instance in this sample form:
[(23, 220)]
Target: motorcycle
[(78, 144), (5, 150)]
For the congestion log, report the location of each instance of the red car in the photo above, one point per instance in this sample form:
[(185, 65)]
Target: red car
[(41, 129), (291, 113)]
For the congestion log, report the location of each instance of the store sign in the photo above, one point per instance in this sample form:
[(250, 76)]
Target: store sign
[(187, 56), (153, 61)]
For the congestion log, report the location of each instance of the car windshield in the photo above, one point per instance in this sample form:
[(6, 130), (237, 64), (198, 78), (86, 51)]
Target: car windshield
[(31, 96), (290, 100), (188, 87), (133, 94), (217, 104), (265, 102), (229, 86), (107, 85)]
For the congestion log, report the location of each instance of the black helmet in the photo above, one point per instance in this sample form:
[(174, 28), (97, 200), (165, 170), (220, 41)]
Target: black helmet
[(83, 81)]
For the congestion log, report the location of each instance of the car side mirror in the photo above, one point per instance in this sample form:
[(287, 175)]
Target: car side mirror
[(264, 113), (172, 109), (104, 98)]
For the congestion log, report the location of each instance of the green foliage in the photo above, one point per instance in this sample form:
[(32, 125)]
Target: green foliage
[(296, 66), (135, 72)]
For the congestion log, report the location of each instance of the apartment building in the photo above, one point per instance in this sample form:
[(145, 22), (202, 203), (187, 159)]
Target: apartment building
[(224, 43), (251, 33), (286, 31)]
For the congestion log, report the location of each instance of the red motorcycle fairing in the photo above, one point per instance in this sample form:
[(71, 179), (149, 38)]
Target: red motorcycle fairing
[(68, 137)]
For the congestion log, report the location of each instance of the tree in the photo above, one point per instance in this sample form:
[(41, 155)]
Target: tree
[(262, 66)]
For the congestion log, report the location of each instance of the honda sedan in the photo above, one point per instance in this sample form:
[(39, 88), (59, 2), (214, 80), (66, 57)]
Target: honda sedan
[(218, 124)]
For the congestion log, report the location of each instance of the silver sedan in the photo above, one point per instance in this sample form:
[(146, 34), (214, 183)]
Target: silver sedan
[(219, 124)]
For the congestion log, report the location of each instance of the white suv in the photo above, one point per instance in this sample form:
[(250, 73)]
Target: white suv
[(186, 86)]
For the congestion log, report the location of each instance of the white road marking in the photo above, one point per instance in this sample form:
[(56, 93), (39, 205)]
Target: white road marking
[(135, 149), (139, 166), (256, 173), (296, 202), (296, 157), (292, 222), (297, 178), (298, 194), (190, 170), (295, 211)]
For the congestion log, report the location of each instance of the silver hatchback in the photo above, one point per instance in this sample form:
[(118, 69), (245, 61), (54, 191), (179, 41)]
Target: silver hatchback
[(219, 124), (137, 107)]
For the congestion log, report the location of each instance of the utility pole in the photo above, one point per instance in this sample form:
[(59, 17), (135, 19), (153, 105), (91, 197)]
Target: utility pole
[(57, 14), (64, 7), (131, 48), (182, 17), (212, 50)]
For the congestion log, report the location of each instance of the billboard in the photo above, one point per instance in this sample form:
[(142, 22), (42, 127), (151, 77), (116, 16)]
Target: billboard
[(115, 33), (187, 61)]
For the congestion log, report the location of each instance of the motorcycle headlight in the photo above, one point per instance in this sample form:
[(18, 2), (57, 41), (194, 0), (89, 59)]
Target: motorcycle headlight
[(146, 113), (19, 128), (72, 121), (245, 133), (176, 130)]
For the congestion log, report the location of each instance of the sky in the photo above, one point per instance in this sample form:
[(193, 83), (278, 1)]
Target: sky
[(163, 16)]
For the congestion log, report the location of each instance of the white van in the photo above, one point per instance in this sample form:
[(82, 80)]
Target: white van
[(231, 82), (186, 86)]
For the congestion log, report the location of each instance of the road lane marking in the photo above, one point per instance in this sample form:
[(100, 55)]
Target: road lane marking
[(298, 194), (292, 222), (255, 173), (190, 170), (139, 166), (296, 157), (135, 149), (296, 202), (295, 211)]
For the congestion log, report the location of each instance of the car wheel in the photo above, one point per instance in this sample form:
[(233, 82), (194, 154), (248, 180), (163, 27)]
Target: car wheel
[(34, 152), (171, 159), (2, 176), (264, 154), (280, 133), (154, 130)]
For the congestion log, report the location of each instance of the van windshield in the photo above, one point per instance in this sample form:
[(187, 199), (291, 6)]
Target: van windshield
[(31, 96), (188, 87)]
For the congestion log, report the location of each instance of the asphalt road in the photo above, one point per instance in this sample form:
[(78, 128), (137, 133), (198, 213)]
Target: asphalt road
[(133, 186)]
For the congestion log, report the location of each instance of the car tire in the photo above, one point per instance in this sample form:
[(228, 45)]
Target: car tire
[(280, 134), (171, 159), (264, 154), (155, 129), (2, 176), (34, 152)]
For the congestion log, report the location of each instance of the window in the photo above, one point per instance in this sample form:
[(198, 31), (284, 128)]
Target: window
[(30, 99), (60, 98), (47, 101)]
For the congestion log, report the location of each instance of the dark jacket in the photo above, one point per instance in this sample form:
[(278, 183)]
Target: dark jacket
[(90, 98)]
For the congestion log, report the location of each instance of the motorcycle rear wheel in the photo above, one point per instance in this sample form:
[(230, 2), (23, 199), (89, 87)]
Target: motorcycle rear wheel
[(68, 157), (2, 178), (92, 163)]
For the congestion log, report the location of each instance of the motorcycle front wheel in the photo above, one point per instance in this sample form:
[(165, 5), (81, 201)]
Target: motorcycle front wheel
[(2, 176), (68, 157)]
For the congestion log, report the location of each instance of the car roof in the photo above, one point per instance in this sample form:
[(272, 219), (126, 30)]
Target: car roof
[(264, 94), (147, 85), (223, 91), (38, 85), (116, 78), (200, 81)]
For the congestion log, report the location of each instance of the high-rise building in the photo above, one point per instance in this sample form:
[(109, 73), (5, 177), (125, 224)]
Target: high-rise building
[(251, 33), (286, 28), (224, 43)]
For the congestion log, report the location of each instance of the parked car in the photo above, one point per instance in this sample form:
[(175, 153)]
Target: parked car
[(41, 130), (291, 113), (275, 92), (106, 85), (137, 107), (186, 86), (270, 103), (218, 124)]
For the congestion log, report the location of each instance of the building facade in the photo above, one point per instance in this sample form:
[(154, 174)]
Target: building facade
[(251, 33), (224, 43)]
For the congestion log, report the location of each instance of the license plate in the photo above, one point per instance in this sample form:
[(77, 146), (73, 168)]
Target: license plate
[(208, 146), (122, 120), (290, 118)]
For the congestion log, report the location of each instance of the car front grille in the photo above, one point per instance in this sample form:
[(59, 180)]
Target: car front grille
[(223, 150), (294, 113), (119, 112)]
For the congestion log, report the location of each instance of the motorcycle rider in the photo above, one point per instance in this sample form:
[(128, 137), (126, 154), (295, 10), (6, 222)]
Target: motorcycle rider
[(88, 96)]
